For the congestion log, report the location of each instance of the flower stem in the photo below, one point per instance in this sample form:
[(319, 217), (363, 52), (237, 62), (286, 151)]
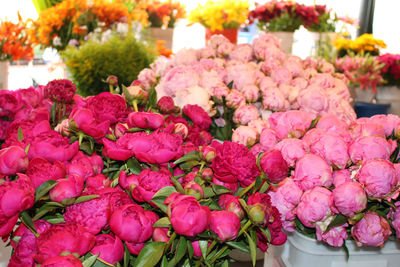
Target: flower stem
[(135, 106), (171, 239), (247, 189)]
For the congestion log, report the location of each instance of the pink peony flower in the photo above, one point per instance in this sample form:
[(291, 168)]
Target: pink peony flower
[(65, 261), (187, 216), (311, 171), (235, 99), (366, 127), (52, 146), (13, 159), (341, 176), (242, 52), (63, 237), (372, 230), (274, 166), (350, 198), (274, 99), (285, 198), (67, 189), (268, 139), (234, 162), (369, 147), (334, 237), (379, 178), (245, 135), (225, 224), (292, 123), (244, 114), (29, 128), (61, 91), (394, 217), (145, 120), (258, 124), (109, 248), (160, 234), (281, 75), (390, 123), (333, 124), (85, 165), (251, 93), (176, 79), (291, 149), (40, 171), (147, 78), (86, 122), (199, 117), (316, 205), (132, 223), (314, 100), (166, 105)]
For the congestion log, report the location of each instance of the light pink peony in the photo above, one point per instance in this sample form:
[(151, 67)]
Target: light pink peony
[(311, 171), (258, 124), (273, 99), (184, 56), (332, 148), (251, 93), (334, 237), (147, 78), (244, 114), (281, 75), (379, 178), (285, 198), (268, 139), (235, 99), (194, 95), (313, 99), (292, 149), (245, 135), (350, 198), (341, 176), (241, 75), (372, 230), (176, 79), (242, 52), (369, 147), (366, 127), (394, 217), (292, 123), (316, 205), (390, 123)]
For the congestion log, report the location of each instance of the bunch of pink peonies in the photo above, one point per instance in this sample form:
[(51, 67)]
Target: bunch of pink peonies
[(333, 178), (241, 85), (109, 181)]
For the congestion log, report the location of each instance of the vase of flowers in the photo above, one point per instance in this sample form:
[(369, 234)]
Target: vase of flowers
[(364, 44), (221, 17), (15, 44)]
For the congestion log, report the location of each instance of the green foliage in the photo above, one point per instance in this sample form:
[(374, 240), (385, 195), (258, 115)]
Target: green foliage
[(91, 63), (284, 23)]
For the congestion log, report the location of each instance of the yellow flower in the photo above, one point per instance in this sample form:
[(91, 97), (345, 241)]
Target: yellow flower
[(365, 42)]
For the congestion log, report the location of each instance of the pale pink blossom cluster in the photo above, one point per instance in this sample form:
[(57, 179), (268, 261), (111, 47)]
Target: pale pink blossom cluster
[(260, 75), (330, 168)]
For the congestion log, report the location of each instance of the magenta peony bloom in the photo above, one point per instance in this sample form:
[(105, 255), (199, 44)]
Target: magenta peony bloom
[(65, 261), (369, 147), (63, 237), (85, 165), (61, 91), (372, 230), (120, 149), (40, 171), (52, 146), (111, 248), (274, 166), (199, 117), (132, 223), (13, 159), (87, 123), (311, 171), (225, 224), (285, 198), (67, 189), (145, 120), (379, 178), (232, 204), (234, 162), (10, 103), (166, 105), (160, 234), (316, 205), (350, 198), (106, 106), (187, 216)]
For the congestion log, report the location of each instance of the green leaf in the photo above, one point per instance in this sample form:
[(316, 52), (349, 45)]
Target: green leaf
[(85, 198), (134, 166), (264, 187), (190, 249), (86, 147), (188, 165), (165, 192), (114, 183), (27, 220), (56, 220), (230, 85), (259, 182), (179, 252), (90, 261), (44, 188), (346, 251), (220, 190), (225, 264), (242, 246), (126, 256), (153, 97), (252, 239), (163, 222), (339, 219), (27, 148), (164, 261), (178, 185), (203, 247), (208, 192), (42, 211), (314, 122), (266, 232), (160, 204), (150, 254), (192, 155)]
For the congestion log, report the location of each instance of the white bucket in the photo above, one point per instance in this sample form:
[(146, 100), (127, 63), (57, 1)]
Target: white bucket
[(300, 251)]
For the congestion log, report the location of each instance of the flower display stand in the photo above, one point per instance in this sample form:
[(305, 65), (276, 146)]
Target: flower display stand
[(300, 251), (4, 65), (162, 34), (286, 40), (230, 34)]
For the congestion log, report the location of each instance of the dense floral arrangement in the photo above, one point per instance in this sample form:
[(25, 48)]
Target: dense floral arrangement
[(323, 20), (391, 69), (243, 84), (336, 180), (15, 43), (364, 71), (71, 20), (107, 181), (163, 13), (364, 44), (219, 15)]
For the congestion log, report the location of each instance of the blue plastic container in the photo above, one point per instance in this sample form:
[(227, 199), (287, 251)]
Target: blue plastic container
[(364, 109)]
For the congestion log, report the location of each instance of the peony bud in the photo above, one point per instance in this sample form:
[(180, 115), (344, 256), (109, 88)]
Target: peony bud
[(181, 129), (257, 214), (112, 80), (135, 92), (166, 105), (208, 153), (207, 174), (63, 127), (194, 189)]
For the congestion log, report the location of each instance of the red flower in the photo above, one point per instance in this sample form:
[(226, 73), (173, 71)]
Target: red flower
[(61, 91)]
